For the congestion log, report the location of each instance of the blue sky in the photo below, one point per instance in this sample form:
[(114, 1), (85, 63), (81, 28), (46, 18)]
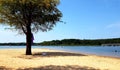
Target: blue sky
[(85, 19)]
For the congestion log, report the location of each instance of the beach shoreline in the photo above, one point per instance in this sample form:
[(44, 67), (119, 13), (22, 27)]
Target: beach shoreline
[(15, 59)]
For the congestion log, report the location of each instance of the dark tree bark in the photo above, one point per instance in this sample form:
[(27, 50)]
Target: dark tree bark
[(28, 41), (28, 34)]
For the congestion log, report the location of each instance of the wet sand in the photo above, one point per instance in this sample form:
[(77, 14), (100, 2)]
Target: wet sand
[(45, 59)]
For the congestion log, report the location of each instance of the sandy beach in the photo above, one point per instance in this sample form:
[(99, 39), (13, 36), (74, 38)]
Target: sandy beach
[(45, 59)]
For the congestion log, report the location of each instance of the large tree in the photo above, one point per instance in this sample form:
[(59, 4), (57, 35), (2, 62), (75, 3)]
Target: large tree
[(30, 16)]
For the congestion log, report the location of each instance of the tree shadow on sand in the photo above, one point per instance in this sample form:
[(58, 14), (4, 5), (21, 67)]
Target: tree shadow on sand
[(52, 67), (55, 54), (4, 68), (50, 54)]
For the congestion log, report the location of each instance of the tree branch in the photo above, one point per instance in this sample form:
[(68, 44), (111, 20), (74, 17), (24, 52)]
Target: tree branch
[(23, 29)]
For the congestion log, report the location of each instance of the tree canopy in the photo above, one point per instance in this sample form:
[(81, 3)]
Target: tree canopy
[(29, 16), (39, 14)]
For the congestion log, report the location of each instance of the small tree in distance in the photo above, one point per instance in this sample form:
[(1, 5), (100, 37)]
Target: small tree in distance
[(30, 16)]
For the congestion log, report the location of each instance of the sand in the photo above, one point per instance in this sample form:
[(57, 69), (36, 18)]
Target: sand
[(45, 59)]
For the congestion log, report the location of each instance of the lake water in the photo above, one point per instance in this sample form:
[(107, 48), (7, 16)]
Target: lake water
[(96, 50)]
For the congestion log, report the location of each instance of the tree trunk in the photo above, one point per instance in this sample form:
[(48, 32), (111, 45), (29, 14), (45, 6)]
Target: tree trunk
[(28, 41), (29, 33)]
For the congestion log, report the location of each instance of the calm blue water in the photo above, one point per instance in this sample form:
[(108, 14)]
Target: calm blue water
[(97, 50)]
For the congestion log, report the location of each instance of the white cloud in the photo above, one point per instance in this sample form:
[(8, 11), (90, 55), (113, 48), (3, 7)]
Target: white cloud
[(115, 25)]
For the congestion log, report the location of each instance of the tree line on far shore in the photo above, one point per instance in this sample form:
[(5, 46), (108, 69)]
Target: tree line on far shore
[(78, 42), (69, 42)]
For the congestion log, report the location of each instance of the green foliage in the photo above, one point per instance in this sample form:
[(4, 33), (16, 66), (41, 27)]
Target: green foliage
[(69, 42), (38, 14), (29, 16), (78, 42), (12, 44)]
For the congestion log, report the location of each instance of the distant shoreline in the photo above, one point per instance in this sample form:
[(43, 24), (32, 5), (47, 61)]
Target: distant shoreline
[(71, 42)]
